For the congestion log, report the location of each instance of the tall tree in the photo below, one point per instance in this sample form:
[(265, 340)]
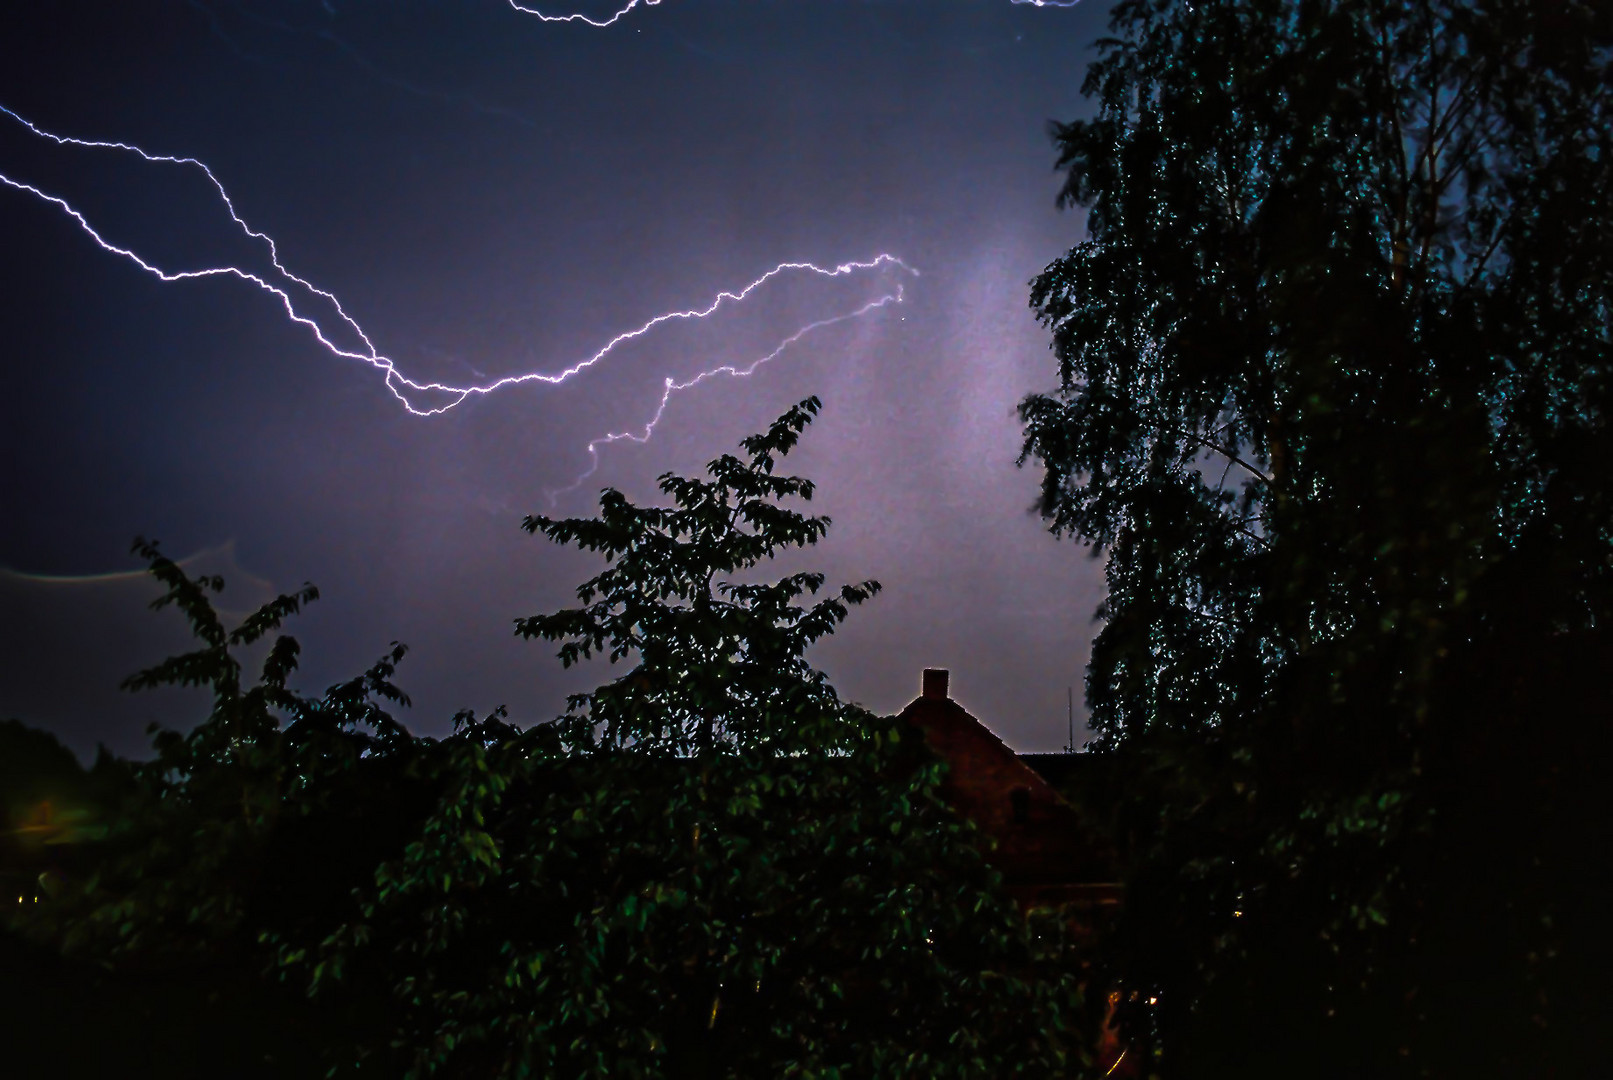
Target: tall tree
[(1334, 404)]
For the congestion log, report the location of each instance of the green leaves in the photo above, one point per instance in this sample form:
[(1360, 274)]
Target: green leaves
[(709, 866), (720, 663)]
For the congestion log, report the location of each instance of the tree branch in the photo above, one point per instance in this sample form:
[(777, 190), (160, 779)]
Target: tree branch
[(1231, 457)]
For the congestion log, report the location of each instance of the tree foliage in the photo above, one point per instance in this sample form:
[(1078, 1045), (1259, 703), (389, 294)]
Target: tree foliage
[(252, 827), (720, 662), (1334, 405), (710, 866)]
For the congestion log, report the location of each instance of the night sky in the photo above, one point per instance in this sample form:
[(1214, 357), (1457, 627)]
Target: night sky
[(489, 195)]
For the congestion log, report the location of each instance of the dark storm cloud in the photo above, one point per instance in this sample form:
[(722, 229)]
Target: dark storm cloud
[(683, 152)]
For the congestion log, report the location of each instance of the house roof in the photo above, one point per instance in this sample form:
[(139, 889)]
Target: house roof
[(1040, 844)]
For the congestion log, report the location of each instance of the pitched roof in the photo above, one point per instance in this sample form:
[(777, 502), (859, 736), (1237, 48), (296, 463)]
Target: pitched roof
[(1044, 851)]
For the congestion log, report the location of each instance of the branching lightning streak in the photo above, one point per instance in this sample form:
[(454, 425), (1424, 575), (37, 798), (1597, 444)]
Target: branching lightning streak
[(671, 386), (372, 356), (397, 383), (599, 23), (616, 16), (460, 393)]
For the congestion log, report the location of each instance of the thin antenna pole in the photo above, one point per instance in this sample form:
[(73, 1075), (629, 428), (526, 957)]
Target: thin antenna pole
[(1070, 746)]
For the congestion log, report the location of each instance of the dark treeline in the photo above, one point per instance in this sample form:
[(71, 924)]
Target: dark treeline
[(710, 866)]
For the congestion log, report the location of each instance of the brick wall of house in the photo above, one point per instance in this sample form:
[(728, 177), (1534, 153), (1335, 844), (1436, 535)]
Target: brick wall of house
[(1039, 843)]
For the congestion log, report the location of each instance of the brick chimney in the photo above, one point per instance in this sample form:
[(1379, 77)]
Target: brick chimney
[(935, 682)]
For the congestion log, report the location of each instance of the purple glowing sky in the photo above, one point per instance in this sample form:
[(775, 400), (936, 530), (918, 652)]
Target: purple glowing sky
[(496, 199)]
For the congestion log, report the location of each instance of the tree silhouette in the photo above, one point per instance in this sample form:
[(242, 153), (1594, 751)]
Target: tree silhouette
[(709, 867), (1333, 404), (721, 664)]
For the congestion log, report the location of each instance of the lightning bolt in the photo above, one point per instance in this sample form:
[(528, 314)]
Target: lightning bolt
[(600, 23), (617, 16), (287, 288), (459, 393), (671, 386)]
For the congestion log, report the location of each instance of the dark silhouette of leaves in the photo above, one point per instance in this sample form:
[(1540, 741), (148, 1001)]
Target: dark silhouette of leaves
[(1334, 363)]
